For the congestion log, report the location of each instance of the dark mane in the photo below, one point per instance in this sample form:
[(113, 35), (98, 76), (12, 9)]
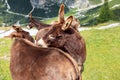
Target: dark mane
[(38, 24)]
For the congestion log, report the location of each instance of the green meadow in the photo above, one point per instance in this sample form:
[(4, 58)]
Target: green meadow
[(103, 55)]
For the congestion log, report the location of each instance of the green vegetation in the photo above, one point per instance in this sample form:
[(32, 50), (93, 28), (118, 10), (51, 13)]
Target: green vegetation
[(5, 45), (103, 55), (4, 70), (49, 20), (95, 1), (105, 14), (114, 2), (91, 15), (89, 18)]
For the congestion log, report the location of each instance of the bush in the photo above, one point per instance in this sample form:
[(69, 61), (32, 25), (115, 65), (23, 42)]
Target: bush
[(105, 13)]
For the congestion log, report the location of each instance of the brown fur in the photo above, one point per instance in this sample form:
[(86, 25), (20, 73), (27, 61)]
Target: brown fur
[(19, 32), (29, 62), (68, 40), (39, 25)]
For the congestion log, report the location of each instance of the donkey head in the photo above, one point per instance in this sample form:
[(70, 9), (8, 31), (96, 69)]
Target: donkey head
[(57, 34), (64, 37), (75, 23), (20, 33)]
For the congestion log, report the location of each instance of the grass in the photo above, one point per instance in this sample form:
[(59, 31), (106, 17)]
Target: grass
[(4, 70), (48, 21), (114, 2), (95, 1), (4, 62), (103, 55), (5, 46), (5, 28), (104, 24)]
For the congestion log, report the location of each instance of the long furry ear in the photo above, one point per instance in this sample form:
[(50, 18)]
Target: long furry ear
[(61, 13), (67, 23), (75, 23), (30, 15)]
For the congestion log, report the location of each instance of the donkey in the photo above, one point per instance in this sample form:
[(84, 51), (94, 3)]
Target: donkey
[(64, 37), (34, 23), (30, 62), (39, 25), (21, 33), (68, 39), (75, 24)]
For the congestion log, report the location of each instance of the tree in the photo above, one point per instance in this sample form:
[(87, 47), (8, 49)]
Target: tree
[(105, 13)]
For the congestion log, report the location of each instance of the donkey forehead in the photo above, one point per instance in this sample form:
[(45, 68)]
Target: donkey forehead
[(55, 29)]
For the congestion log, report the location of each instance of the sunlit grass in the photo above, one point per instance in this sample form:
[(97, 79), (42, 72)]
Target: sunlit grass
[(5, 28), (95, 1), (103, 54), (50, 20), (4, 70), (114, 2), (104, 24), (5, 44)]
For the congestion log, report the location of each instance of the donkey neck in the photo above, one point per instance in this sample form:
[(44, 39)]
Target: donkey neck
[(39, 25)]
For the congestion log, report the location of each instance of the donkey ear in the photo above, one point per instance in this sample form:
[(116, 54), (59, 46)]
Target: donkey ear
[(61, 14), (30, 15), (16, 28), (67, 23)]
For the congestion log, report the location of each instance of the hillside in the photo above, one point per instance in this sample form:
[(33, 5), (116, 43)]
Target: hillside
[(12, 11), (90, 15), (94, 2)]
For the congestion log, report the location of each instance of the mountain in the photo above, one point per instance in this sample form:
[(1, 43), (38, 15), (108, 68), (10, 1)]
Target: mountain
[(12, 11), (88, 17)]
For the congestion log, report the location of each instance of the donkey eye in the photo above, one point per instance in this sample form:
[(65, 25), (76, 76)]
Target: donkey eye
[(51, 36), (59, 36)]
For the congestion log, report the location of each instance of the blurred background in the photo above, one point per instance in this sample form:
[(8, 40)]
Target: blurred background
[(87, 11)]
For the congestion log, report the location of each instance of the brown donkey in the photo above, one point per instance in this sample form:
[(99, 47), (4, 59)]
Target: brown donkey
[(20, 33), (64, 37), (75, 24), (34, 23), (29, 62), (39, 25)]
